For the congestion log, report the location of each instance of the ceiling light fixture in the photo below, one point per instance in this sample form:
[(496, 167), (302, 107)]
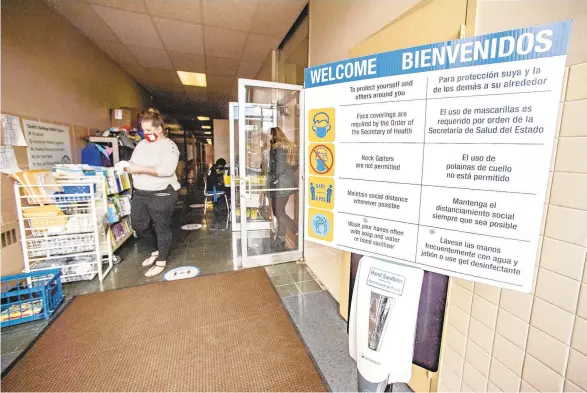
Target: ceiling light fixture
[(209, 141), (203, 118), (192, 78), (207, 133), (206, 127)]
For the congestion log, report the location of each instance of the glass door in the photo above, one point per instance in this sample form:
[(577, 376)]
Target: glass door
[(270, 145), (249, 206)]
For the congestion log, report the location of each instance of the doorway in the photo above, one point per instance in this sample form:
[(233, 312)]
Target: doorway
[(267, 203)]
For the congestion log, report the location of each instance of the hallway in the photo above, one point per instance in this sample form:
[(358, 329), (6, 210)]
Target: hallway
[(312, 309)]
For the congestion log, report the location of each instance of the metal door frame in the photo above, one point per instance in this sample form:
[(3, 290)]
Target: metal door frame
[(267, 259)]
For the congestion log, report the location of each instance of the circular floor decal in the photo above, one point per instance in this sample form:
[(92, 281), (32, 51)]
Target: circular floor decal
[(191, 227), (197, 205), (179, 273)]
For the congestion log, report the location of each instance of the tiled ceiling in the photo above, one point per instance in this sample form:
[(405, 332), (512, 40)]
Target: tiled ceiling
[(152, 39)]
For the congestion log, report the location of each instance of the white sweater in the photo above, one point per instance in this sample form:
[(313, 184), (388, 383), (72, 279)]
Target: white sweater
[(162, 155)]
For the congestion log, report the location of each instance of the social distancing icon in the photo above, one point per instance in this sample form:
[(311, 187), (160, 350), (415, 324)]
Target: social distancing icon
[(321, 158), (321, 224), (321, 192), (322, 125)]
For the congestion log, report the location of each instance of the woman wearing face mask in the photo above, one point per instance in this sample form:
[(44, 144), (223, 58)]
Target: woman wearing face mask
[(283, 162), (153, 165)]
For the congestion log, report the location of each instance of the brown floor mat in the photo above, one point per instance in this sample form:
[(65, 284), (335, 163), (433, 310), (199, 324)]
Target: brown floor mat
[(225, 332)]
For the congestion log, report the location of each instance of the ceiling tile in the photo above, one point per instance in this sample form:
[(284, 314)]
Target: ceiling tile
[(276, 17), (248, 70), (258, 46), (164, 78), (117, 52), (137, 72), (180, 36), (131, 28), (219, 84), (188, 62), (238, 15), (223, 42), (184, 10), (148, 57), (83, 16), (126, 5), (221, 66)]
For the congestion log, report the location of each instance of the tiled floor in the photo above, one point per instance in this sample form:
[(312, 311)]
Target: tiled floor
[(210, 249)]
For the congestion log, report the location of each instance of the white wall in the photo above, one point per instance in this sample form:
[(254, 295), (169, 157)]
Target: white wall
[(501, 340), (221, 140), (335, 27)]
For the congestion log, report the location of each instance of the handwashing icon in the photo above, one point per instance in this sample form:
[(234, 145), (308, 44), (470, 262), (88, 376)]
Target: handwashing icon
[(321, 225)]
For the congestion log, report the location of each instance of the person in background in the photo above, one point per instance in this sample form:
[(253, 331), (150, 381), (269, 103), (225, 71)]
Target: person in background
[(155, 188), (283, 162), (215, 179)]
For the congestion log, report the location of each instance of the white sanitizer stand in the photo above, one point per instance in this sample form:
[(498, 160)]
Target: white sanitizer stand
[(382, 322)]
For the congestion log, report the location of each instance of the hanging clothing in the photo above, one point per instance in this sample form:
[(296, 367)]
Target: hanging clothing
[(91, 155)]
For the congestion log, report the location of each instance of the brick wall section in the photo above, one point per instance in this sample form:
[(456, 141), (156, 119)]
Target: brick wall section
[(502, 340)]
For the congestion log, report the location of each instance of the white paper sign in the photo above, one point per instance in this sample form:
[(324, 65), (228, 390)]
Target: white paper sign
[(12, 131), (438, 156), (8, 164), (49, 144)]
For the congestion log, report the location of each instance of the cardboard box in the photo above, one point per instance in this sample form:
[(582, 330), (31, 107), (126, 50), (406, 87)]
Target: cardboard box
[(124, 117)]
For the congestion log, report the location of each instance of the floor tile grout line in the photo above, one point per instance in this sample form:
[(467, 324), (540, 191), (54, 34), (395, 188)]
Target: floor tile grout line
[(295, 283)]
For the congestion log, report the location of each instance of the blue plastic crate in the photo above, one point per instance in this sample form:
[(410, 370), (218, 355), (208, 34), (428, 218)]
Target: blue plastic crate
[(30, 296)]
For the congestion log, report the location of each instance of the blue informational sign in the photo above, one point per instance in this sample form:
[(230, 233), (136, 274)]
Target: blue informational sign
[(513, 45), (438, 156)]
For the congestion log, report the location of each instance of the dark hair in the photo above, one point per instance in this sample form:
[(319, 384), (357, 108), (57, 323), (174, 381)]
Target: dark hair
[(221, 161), (154, 116)]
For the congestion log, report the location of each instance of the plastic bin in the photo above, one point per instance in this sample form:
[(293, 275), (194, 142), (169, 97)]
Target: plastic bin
[(30, 296)]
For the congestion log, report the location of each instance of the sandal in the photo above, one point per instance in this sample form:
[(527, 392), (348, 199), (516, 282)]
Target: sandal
[(157, 269), (151, 260)]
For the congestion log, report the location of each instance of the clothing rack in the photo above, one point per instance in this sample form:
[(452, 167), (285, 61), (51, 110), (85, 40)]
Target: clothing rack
[(110, 140)]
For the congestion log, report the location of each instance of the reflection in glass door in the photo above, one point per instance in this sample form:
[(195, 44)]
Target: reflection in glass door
[(270, 144), (248, 206)]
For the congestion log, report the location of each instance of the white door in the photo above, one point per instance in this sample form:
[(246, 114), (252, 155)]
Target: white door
[(269, 181)]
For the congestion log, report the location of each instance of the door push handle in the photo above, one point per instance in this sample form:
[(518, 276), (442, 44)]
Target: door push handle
[(248, 179)]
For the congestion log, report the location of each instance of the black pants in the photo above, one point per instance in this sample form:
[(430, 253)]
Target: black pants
[(284, 222), (155, 207)]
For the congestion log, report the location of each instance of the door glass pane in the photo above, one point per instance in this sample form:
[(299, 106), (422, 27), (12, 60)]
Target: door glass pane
[(272, 140), (235, 193)]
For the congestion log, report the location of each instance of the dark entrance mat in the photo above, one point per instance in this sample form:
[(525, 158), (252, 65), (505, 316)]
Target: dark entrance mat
[(225, 332)]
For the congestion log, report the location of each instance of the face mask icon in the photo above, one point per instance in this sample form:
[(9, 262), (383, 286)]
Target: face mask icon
[(321, 124), (321, 159)]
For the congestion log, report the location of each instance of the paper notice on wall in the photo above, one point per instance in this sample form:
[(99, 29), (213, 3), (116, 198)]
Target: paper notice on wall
[(13, 135), (8, 164), (49, 144)]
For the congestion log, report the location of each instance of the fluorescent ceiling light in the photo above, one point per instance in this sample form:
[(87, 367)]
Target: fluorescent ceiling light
[(209, 141), (203, 118), (192, 78), (208, 133), (206, 127)]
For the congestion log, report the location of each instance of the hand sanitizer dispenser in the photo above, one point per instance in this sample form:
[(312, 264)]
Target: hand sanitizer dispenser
[(382, 322)]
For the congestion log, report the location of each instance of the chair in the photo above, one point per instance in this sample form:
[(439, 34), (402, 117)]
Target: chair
[(211, 194)]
